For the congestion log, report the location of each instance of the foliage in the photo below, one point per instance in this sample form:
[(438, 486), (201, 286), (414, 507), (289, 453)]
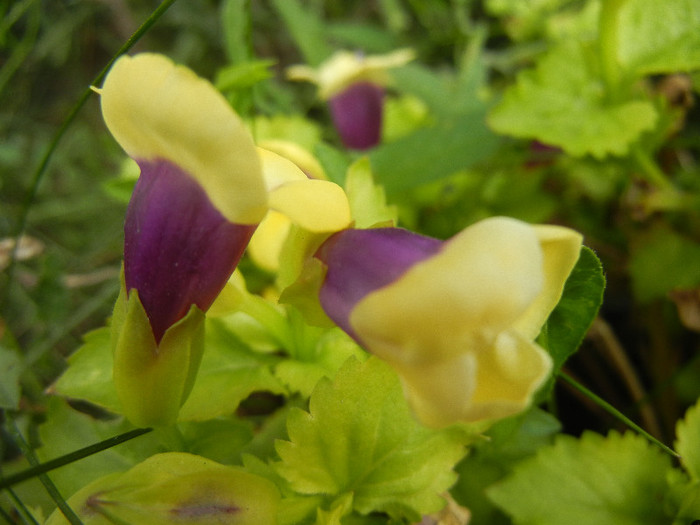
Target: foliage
[(574, 113)]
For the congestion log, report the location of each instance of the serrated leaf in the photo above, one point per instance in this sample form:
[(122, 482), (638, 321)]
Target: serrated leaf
[(360, 436), (368, 204), (688, 441), (578, 306), (649, 47), (594, 480), (562, 102), (302, 372)]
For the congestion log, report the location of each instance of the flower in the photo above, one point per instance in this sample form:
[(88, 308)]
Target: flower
[(353, 85), (456, 319), (203, 189)]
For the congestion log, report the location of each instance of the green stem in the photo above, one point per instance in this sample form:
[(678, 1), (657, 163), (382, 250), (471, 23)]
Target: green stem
[(43, 468), (41, 170), (616, 413), (26, 449), (608, 45), (650, 169)]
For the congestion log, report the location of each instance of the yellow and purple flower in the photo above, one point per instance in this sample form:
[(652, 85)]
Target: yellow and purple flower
[(203, 189), (457, 319), (354, 86)]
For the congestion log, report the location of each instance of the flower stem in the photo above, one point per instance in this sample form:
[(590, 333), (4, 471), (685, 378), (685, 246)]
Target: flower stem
[(41, 170), (616, 413)]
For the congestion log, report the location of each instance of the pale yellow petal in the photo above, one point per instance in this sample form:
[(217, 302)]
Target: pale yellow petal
[(345, 68), (561, 248), (158, 110), (298, 155), (489, 384), (315, 205), (481, 281), (278, 170), (266, 245)]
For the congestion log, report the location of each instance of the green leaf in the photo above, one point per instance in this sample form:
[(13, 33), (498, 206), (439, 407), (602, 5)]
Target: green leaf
[(230, 372), (89, 373), (433, 153), (578, 306), (307, 30), (594, 480), (67, 430), (177, 488), (507, 442), (235, 22), (367, 200), (10, 371), (360, 436), (301, 373), (562, 102), (663, 260), (243, 75), (688, 441), (286, 127), (648, 47)]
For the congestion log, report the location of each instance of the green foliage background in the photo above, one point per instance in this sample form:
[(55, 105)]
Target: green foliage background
[(575, 112)]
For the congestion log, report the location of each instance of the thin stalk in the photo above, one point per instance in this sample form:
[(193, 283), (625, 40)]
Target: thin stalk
[(26, 449), (651, 171), (41, 170), (22, 510), (43, 468), (616, 413)]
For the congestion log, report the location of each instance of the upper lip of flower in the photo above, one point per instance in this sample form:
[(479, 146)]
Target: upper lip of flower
[(346, 67), (158, 110)]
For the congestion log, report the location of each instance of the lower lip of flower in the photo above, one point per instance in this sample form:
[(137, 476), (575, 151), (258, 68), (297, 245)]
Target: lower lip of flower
[(179, 250)]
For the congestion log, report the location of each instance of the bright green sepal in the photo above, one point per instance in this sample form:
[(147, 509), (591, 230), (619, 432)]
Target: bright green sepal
[(594, 480), (561, 102), (152, 379), (176, 488), (361, 437)]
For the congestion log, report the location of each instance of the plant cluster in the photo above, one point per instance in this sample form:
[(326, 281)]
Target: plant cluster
[(395, 262)]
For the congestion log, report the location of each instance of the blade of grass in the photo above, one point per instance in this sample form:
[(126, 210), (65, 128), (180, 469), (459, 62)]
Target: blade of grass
[(45, 480), (22, 510), (615, 413), (41, 170), (43, 468)]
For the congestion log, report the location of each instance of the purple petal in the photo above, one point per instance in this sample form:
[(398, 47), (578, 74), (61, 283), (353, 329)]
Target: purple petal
[(357, 115), (178, 248), (361, 261)]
